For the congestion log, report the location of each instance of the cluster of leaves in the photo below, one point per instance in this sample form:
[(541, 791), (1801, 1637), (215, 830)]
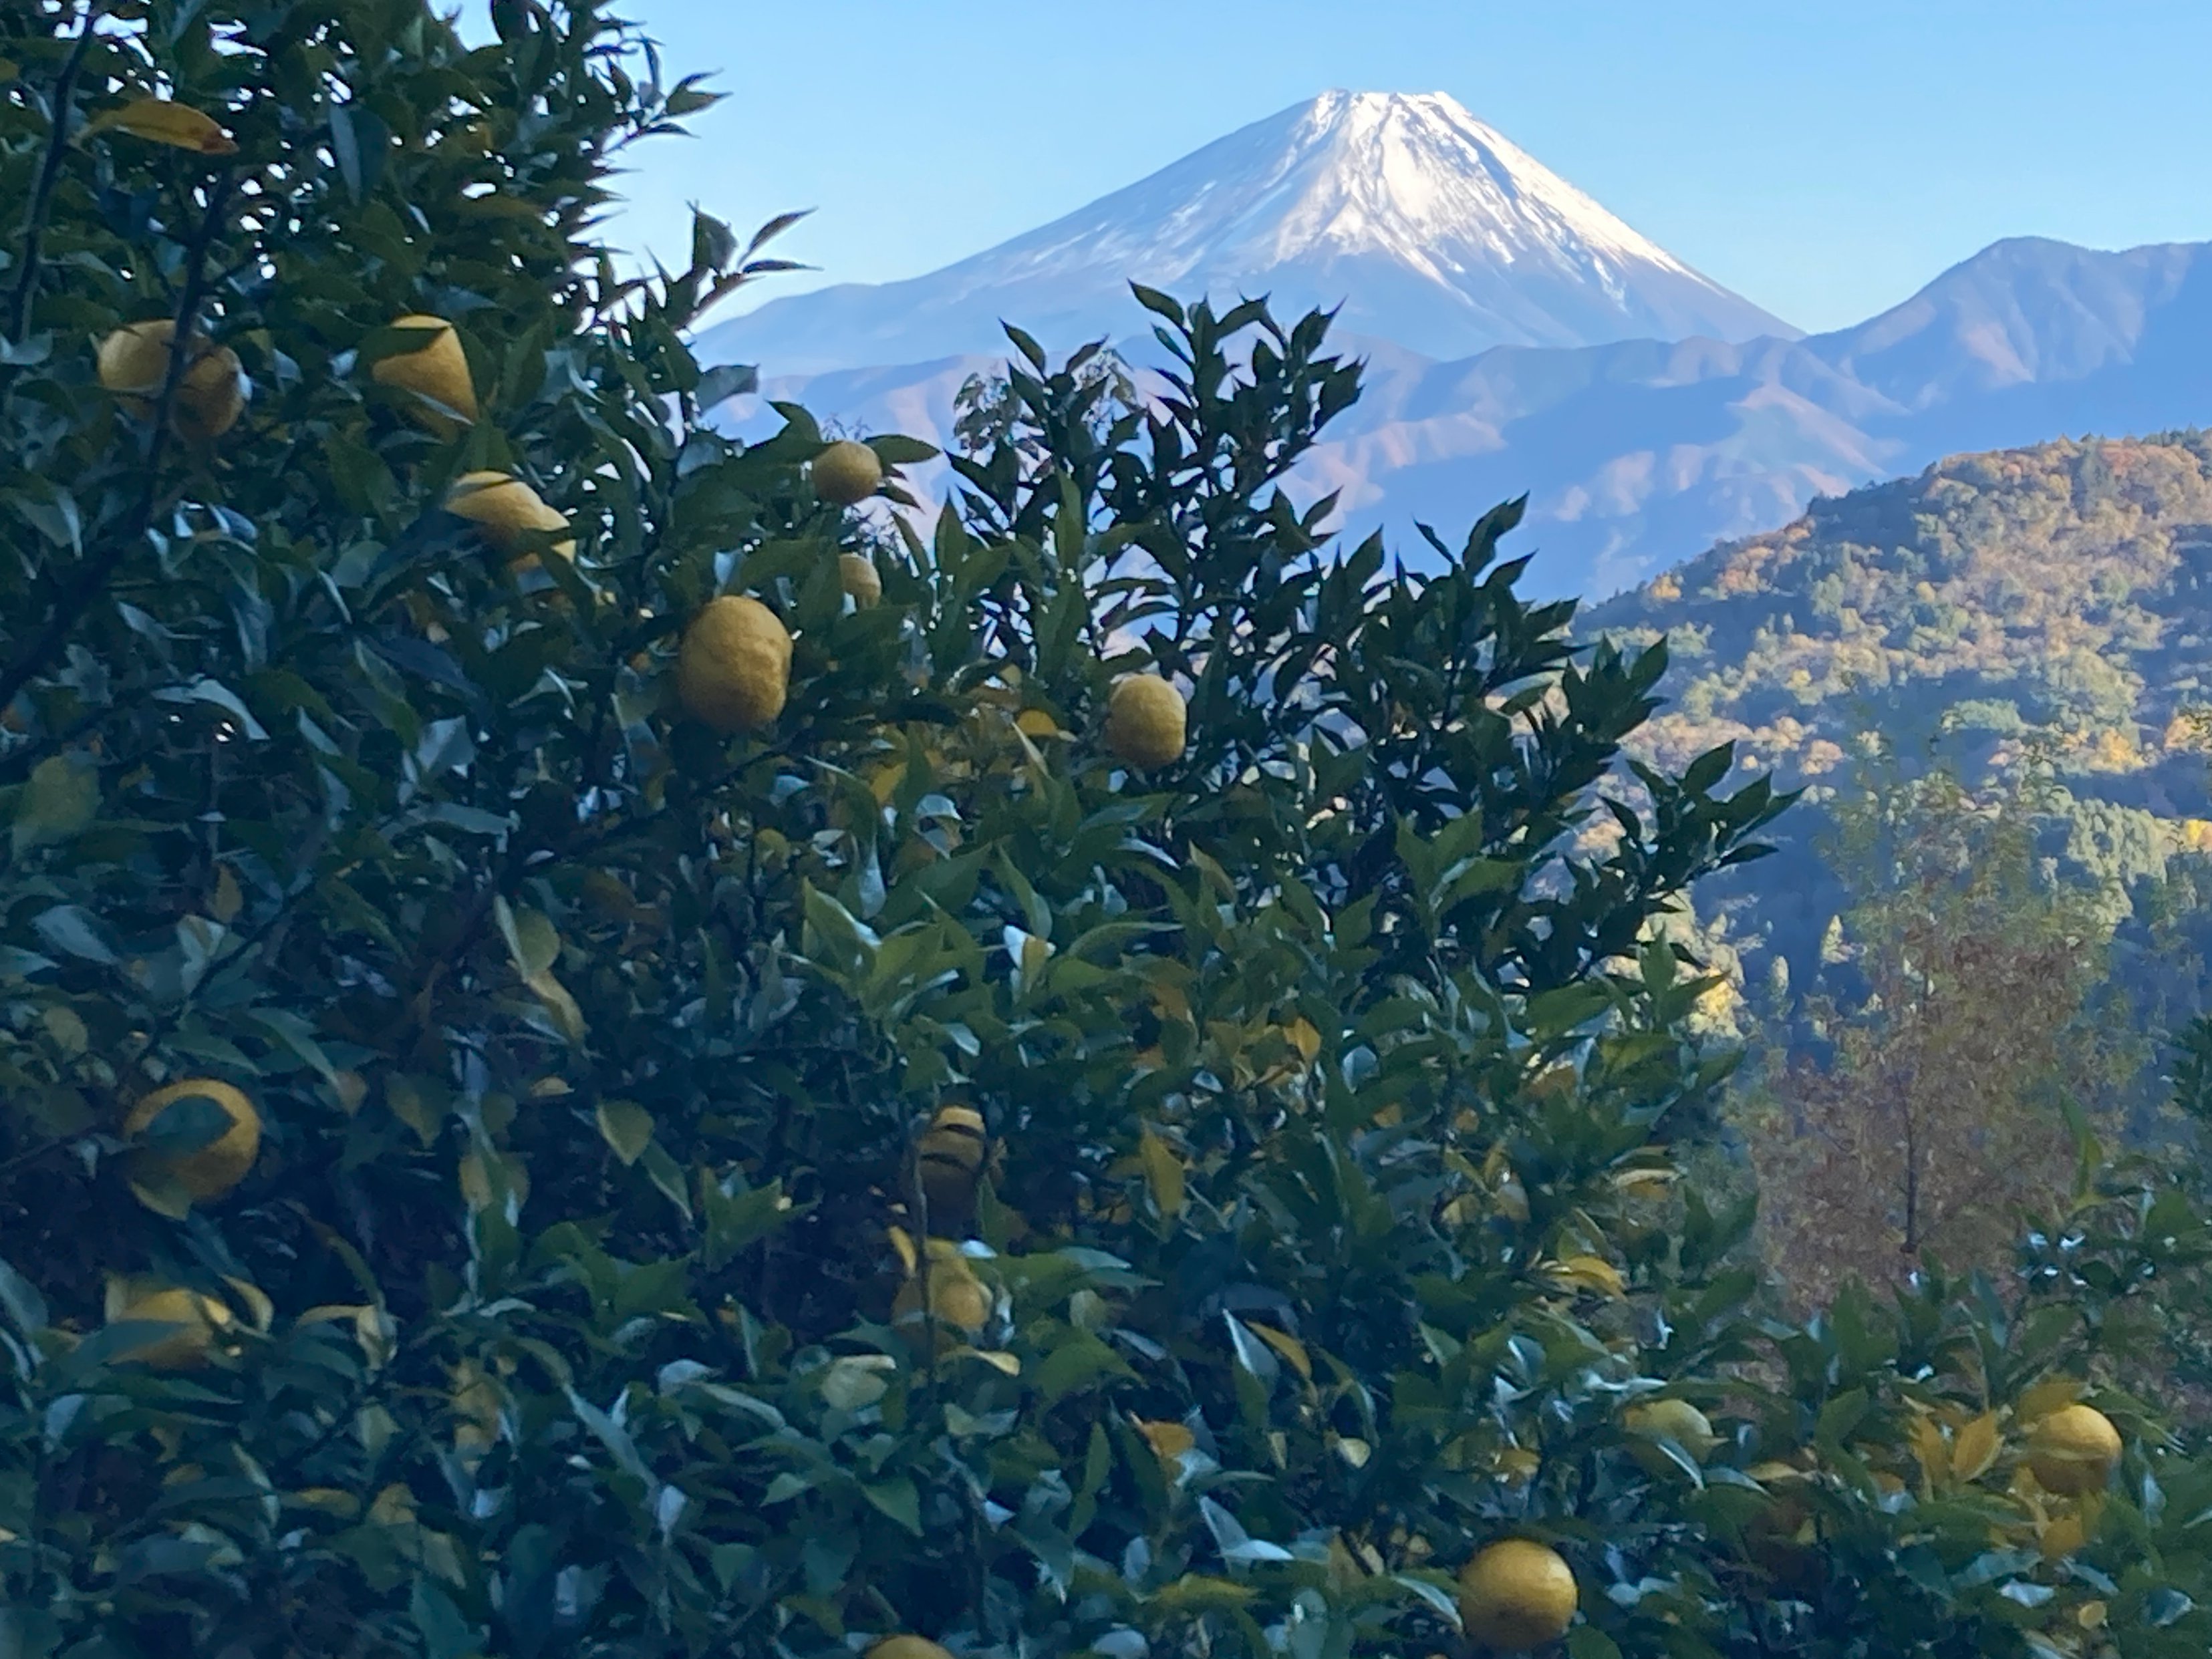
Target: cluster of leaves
[(1331, 1079), (1930, 1100)]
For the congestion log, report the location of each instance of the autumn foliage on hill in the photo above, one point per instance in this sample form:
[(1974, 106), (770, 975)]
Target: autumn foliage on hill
[(2034, 620), (614, 1048)]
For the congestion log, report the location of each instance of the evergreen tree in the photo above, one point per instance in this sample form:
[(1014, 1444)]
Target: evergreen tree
[(601, 1060)]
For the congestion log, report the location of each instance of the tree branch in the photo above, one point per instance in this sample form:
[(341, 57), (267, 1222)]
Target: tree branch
[(34, 217), (92, 576)]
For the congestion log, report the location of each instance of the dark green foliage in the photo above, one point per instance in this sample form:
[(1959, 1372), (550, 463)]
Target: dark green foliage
[(1332, 1073)]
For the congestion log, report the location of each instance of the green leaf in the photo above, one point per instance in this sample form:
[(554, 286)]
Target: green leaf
[(1252, 1356), (897, 1498), (717, 385), (29, 1632), (1435, 1590), (531, 940), (20, 1299), (737, 1219), (1840, 1416), (60, 801), (1077, 1362), (70, 929), (166, 122), (1164, 1174), (445, 1634), (185, 1125), (895, 451), (667, 1174), (627, 1128), (295, 1034)]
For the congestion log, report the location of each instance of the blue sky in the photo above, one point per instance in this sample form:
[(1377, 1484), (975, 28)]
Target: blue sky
[(1823, 159)]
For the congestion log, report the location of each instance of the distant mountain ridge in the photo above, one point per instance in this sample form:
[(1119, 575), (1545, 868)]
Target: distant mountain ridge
[(1638, 454), (1432, 229), (1641, 454)]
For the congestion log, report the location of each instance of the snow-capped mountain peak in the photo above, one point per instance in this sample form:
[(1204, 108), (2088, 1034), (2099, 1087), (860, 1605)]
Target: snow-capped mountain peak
[(1414, 177), (1430, 229)]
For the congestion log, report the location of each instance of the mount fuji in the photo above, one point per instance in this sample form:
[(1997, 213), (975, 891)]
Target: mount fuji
[(1431, 230)]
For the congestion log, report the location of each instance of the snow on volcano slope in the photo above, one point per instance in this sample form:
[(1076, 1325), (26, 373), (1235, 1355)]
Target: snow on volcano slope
[(1431, 230)]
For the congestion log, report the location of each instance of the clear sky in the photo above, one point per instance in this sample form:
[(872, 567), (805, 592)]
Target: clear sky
[(1825, 159)]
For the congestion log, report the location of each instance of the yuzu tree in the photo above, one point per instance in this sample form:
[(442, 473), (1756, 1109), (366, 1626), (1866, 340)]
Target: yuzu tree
[(747, 1173)]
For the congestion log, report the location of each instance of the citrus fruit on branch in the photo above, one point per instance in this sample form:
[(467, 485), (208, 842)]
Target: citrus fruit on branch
[(210, 395), (1146, 722), (734, 668), (436, 371), (847, 473), (1516, 1594), (209, 1171)]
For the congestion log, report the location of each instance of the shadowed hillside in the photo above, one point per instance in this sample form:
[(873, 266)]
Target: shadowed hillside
[(2051, 605)]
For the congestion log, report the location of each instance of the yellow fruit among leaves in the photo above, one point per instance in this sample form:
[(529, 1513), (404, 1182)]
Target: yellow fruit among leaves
[(134, 365), (508, 512), (1677, 1420), (2062, 1536), (906, 1647), (857, 575), (948, 1161), (956, 1297), (734, 669), (1145, 721), (1516, 1594), (847, 473), (199, 1317), (2074, 1450), (437, 370), (209, 1171)]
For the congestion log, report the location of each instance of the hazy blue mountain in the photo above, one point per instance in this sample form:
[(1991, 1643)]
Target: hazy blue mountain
[(1433, 230), (1647, 412), (1640, 454)]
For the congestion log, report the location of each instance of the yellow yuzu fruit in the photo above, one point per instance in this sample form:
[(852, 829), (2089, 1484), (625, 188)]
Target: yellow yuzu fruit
[(1145, 721), (200, 1317), (607, 894), (2062, 1536), (508, 511), (134, 365), (956, 1297), (211, 397), (857, 575), (2073, 1450), (1516, 1594), (437, 369), (906, 1647), (948, 1157), (134, 361), (1677, 1420), (734, 668), (210, 1172), (847, 473), (961, 1300)]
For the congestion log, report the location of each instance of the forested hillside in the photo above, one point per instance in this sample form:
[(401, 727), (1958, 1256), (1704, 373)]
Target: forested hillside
[(2037, 611)]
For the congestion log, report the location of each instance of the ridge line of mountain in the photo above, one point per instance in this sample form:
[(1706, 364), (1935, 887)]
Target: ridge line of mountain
[(1405, 206)]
